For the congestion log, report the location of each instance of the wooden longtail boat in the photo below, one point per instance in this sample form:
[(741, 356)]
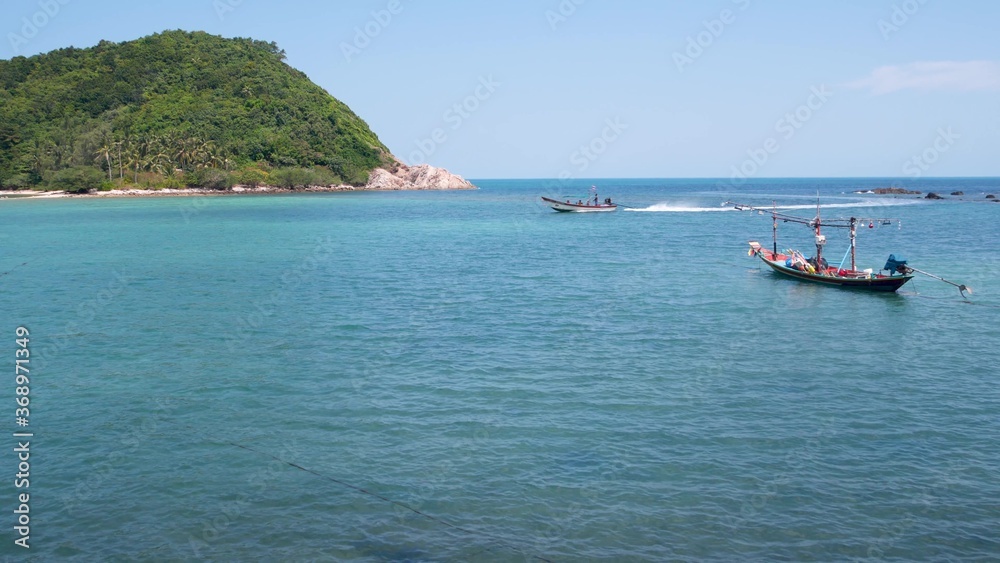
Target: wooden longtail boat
[(793, 264)]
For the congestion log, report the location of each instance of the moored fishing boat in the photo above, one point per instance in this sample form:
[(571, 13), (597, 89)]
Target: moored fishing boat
[(792, 263)]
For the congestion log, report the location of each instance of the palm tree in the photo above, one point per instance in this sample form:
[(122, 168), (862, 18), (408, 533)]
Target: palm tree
[(159, 162), (184, 152), (204, 153), (121, 163), (38, 160), (134, 162), (59, 150), (139, 153), (105, 153)]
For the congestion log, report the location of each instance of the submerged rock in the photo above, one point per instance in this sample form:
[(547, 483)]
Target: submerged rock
[(957, 193), (933, 195)]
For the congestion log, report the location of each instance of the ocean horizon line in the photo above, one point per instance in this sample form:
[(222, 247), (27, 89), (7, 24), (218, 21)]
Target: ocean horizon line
[(770, 178)]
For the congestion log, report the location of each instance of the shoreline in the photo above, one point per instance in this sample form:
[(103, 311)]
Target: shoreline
[(183, 192)]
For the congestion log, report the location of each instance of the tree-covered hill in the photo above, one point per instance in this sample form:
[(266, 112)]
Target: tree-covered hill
[(175, 108)]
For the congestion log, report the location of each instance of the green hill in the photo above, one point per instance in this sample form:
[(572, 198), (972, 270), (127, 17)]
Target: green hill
[(175, 108)]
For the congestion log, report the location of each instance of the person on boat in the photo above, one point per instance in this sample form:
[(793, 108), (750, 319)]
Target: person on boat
[(579, 202), (607, 201)]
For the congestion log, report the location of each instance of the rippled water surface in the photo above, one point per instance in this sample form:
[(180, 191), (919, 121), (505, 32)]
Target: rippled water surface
[(469, 376)]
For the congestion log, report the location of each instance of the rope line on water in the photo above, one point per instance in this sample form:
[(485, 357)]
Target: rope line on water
[(12, 269), (492, 538), (496, 539)]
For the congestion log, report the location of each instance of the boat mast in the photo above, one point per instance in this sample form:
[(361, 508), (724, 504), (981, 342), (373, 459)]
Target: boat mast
[(774, 228), (820, 239), (816, 223), (854, 223)]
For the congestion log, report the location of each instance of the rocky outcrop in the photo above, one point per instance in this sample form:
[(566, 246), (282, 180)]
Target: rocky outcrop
[(932, 195), (957, 193), (899, 191), (422, 177)]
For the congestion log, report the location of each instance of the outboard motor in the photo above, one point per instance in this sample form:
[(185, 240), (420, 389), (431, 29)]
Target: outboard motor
[(894, 264)]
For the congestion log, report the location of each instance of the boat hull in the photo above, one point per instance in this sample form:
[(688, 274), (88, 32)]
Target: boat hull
[(854, 280), (578, 208)]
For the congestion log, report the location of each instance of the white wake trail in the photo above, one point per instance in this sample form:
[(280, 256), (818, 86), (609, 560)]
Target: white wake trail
[(675, 208), (686, 208)]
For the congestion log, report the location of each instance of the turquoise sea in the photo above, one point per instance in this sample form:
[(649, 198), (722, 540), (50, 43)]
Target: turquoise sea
[(469, 376)]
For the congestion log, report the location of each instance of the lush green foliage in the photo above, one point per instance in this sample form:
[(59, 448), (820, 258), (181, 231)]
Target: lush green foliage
[(143, 110), (251, 177), (212, 178), (78, 179), (300, 177)]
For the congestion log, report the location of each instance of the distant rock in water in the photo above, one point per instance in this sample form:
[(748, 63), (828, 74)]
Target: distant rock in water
[(957, 193), (421, 177), (933, 195), (893, 191), (991, 196)]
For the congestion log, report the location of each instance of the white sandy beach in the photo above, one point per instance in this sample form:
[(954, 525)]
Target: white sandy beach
[(135, 192)]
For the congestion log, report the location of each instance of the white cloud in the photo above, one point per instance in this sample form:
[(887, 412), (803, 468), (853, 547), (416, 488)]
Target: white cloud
[(949, 76)]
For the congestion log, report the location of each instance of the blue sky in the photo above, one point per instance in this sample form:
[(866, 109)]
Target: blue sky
[(595, 88)]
